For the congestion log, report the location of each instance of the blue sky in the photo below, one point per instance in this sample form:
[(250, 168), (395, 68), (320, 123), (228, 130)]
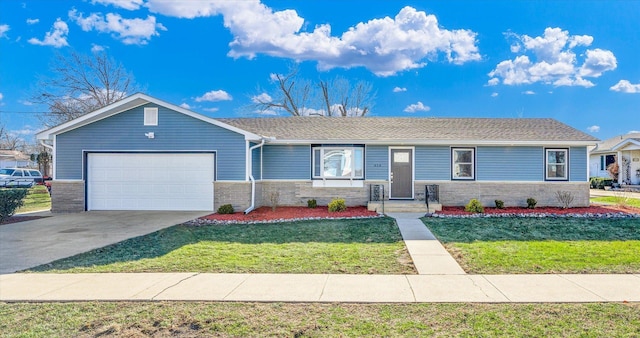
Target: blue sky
[(576, 61)]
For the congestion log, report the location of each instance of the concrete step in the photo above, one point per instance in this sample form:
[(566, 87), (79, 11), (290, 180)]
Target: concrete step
[(403, 206)]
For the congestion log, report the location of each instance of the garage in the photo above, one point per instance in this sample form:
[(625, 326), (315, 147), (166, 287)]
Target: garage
[(150, 181)]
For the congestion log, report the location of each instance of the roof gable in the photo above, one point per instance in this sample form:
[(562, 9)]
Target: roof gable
[(614, 143), (126, 104)]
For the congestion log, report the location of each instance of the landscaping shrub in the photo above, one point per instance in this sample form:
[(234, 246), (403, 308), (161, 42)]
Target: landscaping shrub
[(10, 201), (312, 204), (565, 198), (226, 209), (600, 182), (337, 205), (531, 203), (474, 206), (499, 204)]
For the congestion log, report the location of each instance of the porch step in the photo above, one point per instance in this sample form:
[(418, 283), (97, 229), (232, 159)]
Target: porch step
[(403, 206)]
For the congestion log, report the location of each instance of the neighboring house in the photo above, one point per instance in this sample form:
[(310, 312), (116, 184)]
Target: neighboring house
[(13, 159), (141, 153), (623, 147)]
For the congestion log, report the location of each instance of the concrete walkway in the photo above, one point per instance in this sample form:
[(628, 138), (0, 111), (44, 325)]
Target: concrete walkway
[(428, 255), (320, 288)]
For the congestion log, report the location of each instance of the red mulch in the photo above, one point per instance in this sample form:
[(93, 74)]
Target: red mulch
[(265, 214), (538, 210), (16, 219)]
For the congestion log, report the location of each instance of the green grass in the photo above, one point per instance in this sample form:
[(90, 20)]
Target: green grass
[(541, 245), (324, 246), (632, 202), (134, 319), (37, 199)]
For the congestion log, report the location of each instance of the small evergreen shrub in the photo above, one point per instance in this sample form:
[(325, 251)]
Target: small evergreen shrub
[(312, 204), (531, 203), (337, 205), (499, 204), (226, 209), (10, 201), (474, 206)]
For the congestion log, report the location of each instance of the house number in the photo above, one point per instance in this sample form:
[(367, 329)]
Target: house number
[(377, 165)]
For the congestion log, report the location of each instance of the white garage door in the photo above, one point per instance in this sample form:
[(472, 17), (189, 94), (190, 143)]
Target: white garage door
[(126, 181)]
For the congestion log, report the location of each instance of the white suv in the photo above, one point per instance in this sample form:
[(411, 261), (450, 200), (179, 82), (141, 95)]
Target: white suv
[(19, 177)]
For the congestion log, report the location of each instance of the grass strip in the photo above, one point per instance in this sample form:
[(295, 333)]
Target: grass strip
[(359, 246), (192, 319), (37, 199), (617, 200)]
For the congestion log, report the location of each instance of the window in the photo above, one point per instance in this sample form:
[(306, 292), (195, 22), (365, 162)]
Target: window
[(151, 116), (338, 162), (606, 160), (556, 165), (463, 163)]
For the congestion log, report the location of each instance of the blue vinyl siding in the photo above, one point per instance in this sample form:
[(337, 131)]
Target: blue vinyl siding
[(578, 164), (510, 163), (376, 165), (174, 132), (433, 163), (255, 162), (286, 162)]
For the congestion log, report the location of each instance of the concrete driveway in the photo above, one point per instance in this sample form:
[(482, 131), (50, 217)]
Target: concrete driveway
[(27, 244)]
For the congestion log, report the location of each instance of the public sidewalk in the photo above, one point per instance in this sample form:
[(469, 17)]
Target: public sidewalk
[(319, 288)]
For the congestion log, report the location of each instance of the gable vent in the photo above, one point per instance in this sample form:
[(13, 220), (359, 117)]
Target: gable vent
[(151, 116)]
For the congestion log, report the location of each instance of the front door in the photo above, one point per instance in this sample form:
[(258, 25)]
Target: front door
[(401, 173)]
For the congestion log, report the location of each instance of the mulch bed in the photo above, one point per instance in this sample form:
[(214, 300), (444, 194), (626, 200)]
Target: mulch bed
[(16, 219), (591, 210), (265, 214)]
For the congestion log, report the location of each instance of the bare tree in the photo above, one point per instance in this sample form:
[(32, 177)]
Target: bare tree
[(298, 97), (83, 83), (9, 141)]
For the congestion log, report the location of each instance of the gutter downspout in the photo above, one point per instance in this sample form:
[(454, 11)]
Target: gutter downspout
[(253, 181), (46, 145)]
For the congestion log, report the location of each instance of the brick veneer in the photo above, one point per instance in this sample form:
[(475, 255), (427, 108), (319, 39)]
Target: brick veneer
[(67, 196)]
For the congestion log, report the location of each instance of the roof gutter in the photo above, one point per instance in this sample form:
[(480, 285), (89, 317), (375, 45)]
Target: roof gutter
[(251, 178), (48, 146)]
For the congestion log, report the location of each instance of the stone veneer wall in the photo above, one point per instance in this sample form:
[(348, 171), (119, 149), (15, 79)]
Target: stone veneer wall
[(513, 194), (67, 196), (238, 194)]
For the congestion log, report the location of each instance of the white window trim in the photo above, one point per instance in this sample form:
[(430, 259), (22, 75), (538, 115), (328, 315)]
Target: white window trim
[(151, 116), (566, 164), (322, 150), (473, 164)]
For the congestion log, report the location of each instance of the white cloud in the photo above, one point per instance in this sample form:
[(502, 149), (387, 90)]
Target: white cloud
[(126, 4), (26, 103), (96, 48), (416, 107), (594, 129), (211, 110), (27, 130), (130, 31), (494, 94), (551, 59), (32, 21), (274, 77), (185, 105), (626, 87), (529, 92), (56, 37), (264, 97), (3, 30), (385, 46), (1, 96), (215, 95), (399, 89)]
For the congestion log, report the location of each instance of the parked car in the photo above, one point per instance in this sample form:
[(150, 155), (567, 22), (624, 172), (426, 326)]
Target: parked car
[(19, 177)]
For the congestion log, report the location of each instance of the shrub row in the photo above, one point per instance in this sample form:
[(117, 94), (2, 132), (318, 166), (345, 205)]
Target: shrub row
[(600, 182), (10, 201)]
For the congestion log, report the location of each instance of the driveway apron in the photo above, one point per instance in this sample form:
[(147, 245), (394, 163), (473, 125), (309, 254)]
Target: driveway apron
[(27, 244)]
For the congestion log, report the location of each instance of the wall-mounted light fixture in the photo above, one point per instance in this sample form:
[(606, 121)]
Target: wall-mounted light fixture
[(150, 135)]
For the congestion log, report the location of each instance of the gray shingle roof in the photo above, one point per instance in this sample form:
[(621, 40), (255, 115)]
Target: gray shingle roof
[(606, 145), (406, 129)]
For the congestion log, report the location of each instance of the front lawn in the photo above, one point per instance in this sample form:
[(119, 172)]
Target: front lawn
[(37, 199), (196, 319), (357, 246), (541, 245), (617, 200)]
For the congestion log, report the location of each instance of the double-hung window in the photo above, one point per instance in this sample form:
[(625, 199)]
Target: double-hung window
[(463, 163), (338, 162), (556, 164)]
